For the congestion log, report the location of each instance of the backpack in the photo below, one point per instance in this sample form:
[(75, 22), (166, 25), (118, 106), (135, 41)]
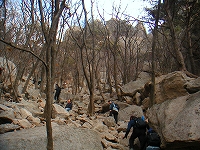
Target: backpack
[(115, 107), (140, 123), (153, 139)]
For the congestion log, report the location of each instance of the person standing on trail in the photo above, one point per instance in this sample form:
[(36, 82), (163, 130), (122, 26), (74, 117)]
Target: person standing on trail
[(114, 109), (57, 93)]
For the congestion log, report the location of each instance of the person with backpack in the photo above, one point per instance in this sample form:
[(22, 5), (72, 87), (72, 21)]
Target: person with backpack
[(153, 140), (139, 131), (114, 109)]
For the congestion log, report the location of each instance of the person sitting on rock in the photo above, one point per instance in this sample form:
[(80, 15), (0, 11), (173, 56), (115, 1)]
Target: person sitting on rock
[(68, 107)]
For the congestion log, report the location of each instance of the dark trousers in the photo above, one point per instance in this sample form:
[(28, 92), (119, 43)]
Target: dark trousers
[(115, 114), (140, 133), (56, 96)]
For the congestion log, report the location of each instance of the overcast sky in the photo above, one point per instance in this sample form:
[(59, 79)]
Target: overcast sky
[(133, 8)]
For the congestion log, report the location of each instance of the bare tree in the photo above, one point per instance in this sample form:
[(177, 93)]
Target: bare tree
[(50, 42)]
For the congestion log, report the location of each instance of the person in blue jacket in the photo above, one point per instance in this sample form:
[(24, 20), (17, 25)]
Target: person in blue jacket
[(113, 110), (139, 133)]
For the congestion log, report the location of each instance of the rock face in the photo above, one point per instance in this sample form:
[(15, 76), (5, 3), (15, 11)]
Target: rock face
[(64, 138), (170, 86), (177, 121)]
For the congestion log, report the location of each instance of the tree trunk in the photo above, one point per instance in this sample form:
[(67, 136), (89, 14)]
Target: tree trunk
[(189, 41), (177, 48), (155, 36), (43, 78), (48, 106), (31, 74)]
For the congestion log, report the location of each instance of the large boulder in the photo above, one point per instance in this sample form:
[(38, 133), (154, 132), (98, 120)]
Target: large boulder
[(177, 121), (167, 87), (64, 138), (170, 86), (132, 110), (59, 111), (193, 85), (131, 88), (6, 114), (8, 127)]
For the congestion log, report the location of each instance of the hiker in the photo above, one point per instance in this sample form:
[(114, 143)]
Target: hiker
[(68, 107), (153, 140), (139, 131), (57, 93), (114, 109)]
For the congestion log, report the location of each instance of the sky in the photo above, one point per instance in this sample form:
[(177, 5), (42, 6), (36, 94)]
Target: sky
[(134, 8)]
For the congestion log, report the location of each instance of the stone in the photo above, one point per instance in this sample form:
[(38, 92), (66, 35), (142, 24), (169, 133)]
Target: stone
[(24, 123), (25, 113), (7, 116), (64, 137), (177, 120), (34, 120), (124, 115), (59, 111), (170, 86), (193, 85), (109, 121), (8, 127)]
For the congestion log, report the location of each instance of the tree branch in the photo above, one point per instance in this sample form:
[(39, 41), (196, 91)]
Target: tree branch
[(24, 50)]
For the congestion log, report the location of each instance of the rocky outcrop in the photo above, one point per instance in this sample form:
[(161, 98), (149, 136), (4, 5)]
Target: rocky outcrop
[(170, 86), (177, 121), (167, 87), (131, 88), (64, 137)]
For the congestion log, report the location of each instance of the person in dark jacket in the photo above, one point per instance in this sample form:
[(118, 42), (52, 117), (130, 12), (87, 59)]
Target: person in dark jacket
[(68, 107), (57, 93), (113, 110), (139, 133), (153, 140)]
